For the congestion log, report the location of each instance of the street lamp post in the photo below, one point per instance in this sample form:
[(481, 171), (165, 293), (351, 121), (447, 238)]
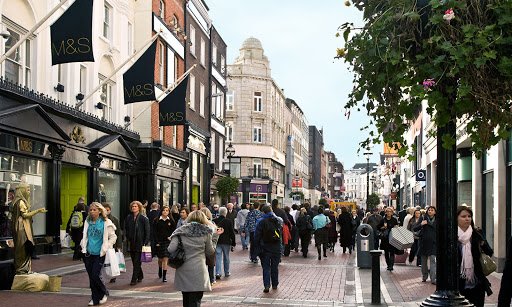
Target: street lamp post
[(368, 153), (230, 152)]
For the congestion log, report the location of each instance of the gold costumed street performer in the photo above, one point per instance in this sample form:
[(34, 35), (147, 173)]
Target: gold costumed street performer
[(22, 229)]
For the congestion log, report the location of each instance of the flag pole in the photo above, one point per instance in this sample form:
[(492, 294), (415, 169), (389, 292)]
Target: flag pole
[(34, 28), (166, 91), (144, 47)]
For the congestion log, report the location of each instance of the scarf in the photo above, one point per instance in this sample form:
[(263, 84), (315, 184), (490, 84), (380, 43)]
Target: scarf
[(467, 270)]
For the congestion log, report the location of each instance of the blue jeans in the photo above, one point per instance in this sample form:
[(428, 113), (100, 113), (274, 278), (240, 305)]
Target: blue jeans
[(222, 255), (244, 239), (270, 265), (93, 266)]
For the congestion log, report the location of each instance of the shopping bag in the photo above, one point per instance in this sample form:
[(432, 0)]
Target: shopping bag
[(122, 262), (111, 264), (146, 256), (401, 238), (66, 241)]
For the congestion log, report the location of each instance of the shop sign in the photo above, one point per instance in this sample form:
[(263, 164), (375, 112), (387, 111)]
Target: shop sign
[(169, 162), (25, 145), (297, 183)]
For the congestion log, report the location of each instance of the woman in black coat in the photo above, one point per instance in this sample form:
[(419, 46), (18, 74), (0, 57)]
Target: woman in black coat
[(333, 234), (413, 222), (345, 222), (356, 221), (427, 244), (136, 231), (163, 228), (384, 227), (305, 227), (473, 284)]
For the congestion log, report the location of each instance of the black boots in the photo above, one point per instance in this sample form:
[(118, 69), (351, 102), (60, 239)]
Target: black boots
[(159, 272), (164, 276)]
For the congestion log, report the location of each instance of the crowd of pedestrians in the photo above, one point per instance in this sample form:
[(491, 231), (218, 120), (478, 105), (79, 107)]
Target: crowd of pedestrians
[(268, 232)]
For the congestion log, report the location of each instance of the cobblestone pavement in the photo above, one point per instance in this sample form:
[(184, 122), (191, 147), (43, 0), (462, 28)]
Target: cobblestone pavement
[(334, 281)]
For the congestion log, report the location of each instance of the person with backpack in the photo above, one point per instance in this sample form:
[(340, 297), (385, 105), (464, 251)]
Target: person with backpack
[(267, 238), (75, 228)]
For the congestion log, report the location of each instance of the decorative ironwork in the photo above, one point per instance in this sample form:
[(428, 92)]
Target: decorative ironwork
[(95, 160)]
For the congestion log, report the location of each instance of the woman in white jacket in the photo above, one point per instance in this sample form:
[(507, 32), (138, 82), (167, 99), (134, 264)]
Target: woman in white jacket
[(99, 236)]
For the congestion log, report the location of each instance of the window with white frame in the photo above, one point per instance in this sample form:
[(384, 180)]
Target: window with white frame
[(106, 99), (107, 21), (214, 54), (222, 65), (192, 37), (203, 52), (257, 165), (130, 38), (213, 152), (256, 133), (161, 64), (230, 100), (201, 99), (83, 79), (192, 88), (161, 9), (229, 131), (18, 66), (257, 102)]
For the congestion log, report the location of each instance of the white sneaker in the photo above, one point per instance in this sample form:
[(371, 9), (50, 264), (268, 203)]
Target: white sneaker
[(91, 303), (103, 300)]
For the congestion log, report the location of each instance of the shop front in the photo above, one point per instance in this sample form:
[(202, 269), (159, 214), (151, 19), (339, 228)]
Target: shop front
[(62, 154)]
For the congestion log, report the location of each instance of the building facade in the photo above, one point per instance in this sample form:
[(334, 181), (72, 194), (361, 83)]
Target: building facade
[(335, 184), (256, 126)]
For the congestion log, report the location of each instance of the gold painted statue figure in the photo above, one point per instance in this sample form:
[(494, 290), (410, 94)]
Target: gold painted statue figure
[(22, 229)]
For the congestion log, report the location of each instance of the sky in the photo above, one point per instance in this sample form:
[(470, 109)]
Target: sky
[(298, 37)]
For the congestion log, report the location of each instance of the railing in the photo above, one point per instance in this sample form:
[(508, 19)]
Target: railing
[(259, 173)]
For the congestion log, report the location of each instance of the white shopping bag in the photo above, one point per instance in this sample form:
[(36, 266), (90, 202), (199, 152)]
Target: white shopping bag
[(66, 241), (111, 265), (122, 262)]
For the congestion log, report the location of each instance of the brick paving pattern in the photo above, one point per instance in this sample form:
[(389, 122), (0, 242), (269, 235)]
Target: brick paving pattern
[(334, 281)]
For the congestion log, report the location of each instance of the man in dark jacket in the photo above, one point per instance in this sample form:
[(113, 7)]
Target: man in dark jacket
[(374, 220), (269, 250), (231, 213), (136, 230), (225, 242), (278, 211)]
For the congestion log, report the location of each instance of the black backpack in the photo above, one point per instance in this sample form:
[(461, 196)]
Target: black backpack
[(271, 230)]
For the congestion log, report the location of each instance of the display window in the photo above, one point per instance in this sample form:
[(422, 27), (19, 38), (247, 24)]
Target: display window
[(109, 190), (13, 171)]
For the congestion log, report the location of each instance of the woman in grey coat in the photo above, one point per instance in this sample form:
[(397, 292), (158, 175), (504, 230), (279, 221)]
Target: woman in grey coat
[(198, 239)]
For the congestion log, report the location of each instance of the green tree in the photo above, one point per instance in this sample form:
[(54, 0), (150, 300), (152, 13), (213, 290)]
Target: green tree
[(455, 55), (373, 201), (226, 186)]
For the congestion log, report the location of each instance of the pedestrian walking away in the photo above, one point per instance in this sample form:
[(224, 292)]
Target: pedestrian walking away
[(99, 236), (241, 218), (320, 226), (250, 228), (198, 242), (75, 228), (345, 222), (305, 227), (136, 231), (224, 244), (267, 238)]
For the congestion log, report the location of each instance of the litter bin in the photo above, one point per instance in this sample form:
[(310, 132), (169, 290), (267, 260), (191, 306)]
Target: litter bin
[(364, 239)]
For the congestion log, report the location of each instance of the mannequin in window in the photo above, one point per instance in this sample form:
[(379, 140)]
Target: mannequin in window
[(22, 229), (102, 197)]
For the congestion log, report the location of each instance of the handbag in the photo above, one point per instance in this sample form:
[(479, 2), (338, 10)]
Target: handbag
[(122, 262), (145, 255), (66, 241), (111, 264), (177, 257), (488, 265), (328, 224)]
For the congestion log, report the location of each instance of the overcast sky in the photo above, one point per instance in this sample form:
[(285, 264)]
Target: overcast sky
[(298, 37)]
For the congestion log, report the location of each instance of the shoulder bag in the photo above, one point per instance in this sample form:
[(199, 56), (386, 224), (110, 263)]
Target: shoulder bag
[(488, 265), (177, 257)]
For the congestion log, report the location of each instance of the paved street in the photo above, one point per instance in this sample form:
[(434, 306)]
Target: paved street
[(334, 281)]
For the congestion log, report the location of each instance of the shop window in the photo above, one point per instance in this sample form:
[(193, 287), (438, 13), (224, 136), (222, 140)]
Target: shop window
[(109, 190), (16, 170)]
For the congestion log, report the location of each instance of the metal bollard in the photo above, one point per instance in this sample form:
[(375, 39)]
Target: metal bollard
[(375, 276)]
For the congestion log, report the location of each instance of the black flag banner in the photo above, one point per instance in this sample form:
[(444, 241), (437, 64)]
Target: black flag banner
[(173, 106), (71, 34), (139, 80)]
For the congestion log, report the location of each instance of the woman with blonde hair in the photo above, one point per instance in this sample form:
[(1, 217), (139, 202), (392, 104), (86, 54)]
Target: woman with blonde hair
[(99, 236), (198, 241)]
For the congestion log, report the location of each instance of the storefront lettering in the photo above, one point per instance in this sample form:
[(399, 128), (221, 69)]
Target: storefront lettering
[(70, 46), (25, 145), (169, 162)]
